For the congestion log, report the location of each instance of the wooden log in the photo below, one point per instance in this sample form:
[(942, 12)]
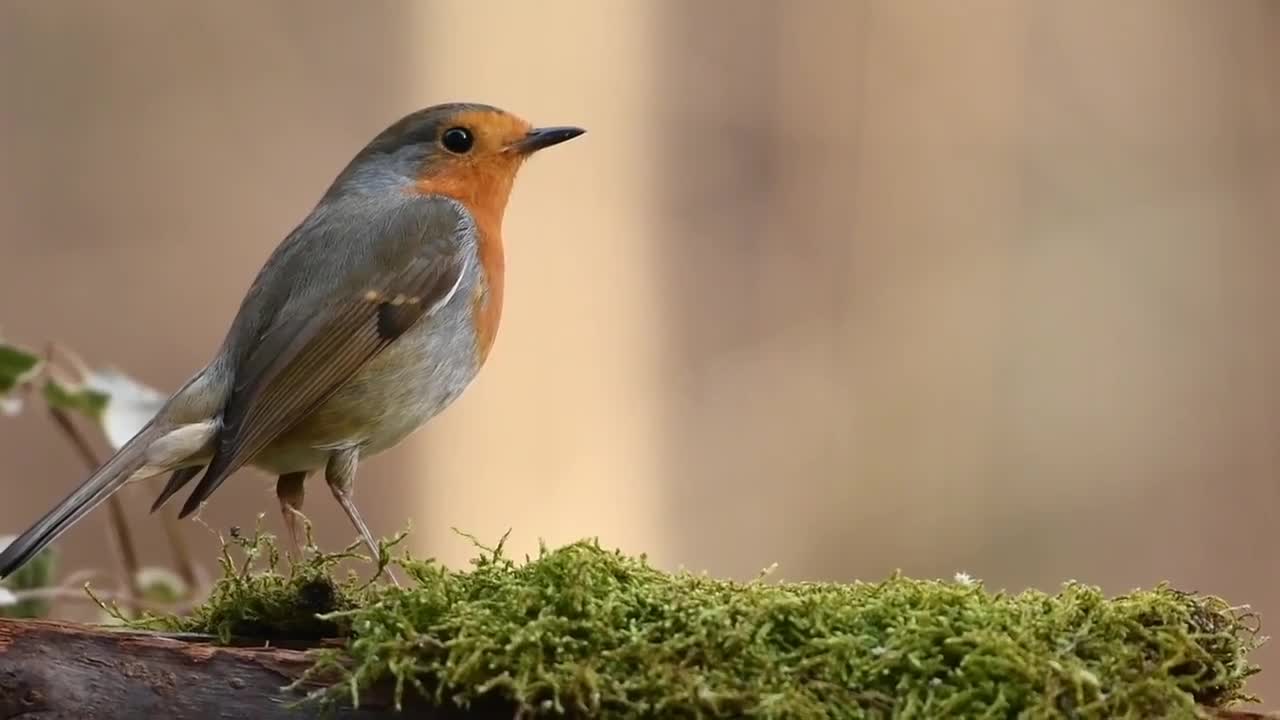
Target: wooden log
[(62, 671)]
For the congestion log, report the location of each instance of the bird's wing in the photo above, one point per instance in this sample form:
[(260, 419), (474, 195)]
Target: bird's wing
[(341, 313)]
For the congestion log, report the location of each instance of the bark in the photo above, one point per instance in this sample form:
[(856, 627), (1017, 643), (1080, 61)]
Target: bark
[(60, 671)]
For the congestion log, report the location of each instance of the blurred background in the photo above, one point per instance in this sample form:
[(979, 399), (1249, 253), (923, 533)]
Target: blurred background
[(850, 286)]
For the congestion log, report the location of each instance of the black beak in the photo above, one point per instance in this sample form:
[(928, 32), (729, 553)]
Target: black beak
[(539, 138)]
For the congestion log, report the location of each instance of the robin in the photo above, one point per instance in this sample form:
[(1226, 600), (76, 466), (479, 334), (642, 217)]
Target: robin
[(371, 317)]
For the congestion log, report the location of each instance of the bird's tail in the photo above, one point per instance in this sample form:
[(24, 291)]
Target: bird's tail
[(104, 482)]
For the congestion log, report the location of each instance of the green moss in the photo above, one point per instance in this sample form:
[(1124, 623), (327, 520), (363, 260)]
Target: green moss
[(256, 599), (586, 632)]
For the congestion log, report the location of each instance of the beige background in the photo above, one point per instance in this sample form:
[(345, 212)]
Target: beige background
[(849, 286)]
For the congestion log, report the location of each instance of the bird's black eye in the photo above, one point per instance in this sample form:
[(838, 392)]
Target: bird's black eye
[(457, 140)]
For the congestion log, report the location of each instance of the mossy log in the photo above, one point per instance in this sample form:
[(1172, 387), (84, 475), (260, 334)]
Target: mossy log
[(583, 632), (61, 671), (53, 670)]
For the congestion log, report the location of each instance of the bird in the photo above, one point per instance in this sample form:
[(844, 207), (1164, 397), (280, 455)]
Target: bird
[(367, 320)]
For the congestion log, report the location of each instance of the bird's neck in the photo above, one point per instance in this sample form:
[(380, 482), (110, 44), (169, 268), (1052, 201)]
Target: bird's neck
[(482, 188)]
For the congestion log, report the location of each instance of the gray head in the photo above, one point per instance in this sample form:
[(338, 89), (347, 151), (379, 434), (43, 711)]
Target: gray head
[(455, 148)]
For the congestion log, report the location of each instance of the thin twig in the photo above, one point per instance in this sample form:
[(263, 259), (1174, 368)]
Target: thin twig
[(181, 553), (127, 555), (75, 579), (57, 354), (177, 543), (67, 593), (78, 578)]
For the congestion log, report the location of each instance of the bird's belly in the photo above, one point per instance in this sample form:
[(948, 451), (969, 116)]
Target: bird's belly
[(407, 384)]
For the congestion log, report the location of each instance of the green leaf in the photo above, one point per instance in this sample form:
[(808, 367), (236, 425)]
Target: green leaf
[(17, 367), (119, 404), (75, 398)]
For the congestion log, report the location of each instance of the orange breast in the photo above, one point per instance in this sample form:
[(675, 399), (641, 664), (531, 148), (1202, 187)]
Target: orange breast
[(483, 189), (486, 302)]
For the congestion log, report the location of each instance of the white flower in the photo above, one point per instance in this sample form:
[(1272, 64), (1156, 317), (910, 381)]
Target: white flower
[(130, 404), (10, 405)]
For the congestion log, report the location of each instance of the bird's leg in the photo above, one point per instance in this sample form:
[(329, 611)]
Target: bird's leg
[(340, 473), (290, 491)]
